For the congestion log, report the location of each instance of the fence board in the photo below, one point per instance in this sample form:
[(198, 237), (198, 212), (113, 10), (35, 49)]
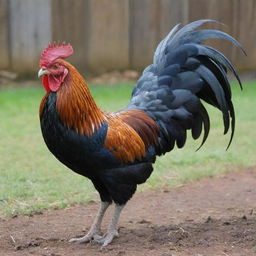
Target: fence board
[(29, 32), (244, 26), (144, 31), (71, 25), (172, 13), (108, 37), (4, 42), (150, 21), (218, 10)]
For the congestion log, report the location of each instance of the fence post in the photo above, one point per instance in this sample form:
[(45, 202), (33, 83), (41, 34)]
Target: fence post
[(30, 31), (4, 38)]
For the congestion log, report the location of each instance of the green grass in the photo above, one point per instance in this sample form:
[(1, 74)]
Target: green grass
[(31, 179)]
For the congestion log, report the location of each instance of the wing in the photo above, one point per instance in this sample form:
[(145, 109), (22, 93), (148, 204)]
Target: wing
[(131, 135)]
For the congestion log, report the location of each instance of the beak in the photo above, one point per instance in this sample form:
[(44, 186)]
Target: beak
[(43, 72)]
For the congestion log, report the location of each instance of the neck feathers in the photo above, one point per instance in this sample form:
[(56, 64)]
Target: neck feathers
[(76, 106)]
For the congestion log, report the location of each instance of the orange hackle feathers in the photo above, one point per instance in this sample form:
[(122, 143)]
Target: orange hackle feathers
[(75, 105), (55, 51)]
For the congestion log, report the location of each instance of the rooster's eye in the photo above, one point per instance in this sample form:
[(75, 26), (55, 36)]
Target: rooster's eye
[(55, 66)]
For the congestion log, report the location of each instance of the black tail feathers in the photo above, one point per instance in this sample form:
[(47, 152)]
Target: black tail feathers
[(187, 72)]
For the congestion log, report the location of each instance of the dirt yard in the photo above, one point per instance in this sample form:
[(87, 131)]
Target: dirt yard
[(214, 216)]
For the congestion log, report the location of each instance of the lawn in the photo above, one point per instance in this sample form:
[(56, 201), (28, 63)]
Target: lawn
[(31, 179)]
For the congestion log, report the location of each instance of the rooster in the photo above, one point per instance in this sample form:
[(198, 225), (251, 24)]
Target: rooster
[(116, 151)]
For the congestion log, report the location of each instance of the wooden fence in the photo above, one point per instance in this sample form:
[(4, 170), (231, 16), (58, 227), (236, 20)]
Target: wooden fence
[(114, 34)]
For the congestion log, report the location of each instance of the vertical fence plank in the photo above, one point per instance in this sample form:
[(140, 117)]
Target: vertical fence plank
[(144, 31), (218, 10), (108, 37), (70, 23), (30, 26), (4, 42), (244, 27), (172, 13), (150, 21)]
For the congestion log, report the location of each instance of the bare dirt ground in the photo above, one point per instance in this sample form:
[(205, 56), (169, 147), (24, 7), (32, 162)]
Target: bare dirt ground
[(214, 216)]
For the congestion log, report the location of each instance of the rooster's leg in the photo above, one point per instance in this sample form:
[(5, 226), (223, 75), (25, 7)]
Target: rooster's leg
[(112, 229), (94, 232)]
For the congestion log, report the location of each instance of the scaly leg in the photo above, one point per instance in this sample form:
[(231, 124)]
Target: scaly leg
[(94, 232), (112, 229)]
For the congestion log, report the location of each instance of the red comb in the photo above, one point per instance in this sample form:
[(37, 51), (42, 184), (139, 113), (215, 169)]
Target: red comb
[(55, 51)]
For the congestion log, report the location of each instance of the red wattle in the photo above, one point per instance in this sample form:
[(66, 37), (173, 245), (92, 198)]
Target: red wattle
[(45, 82), (54, 83)]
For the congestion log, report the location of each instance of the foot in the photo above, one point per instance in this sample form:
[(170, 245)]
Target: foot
[(87, 238), (94, 232), (107, 238)]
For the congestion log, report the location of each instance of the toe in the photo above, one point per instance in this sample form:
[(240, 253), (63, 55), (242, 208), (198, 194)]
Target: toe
[(108, 238), (97, 238), (81, 240)]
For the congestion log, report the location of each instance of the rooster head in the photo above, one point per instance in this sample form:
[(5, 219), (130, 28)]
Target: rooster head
[(52, 66)]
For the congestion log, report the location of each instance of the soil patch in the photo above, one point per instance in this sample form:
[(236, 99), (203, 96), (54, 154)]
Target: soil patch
[(214, 216)]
